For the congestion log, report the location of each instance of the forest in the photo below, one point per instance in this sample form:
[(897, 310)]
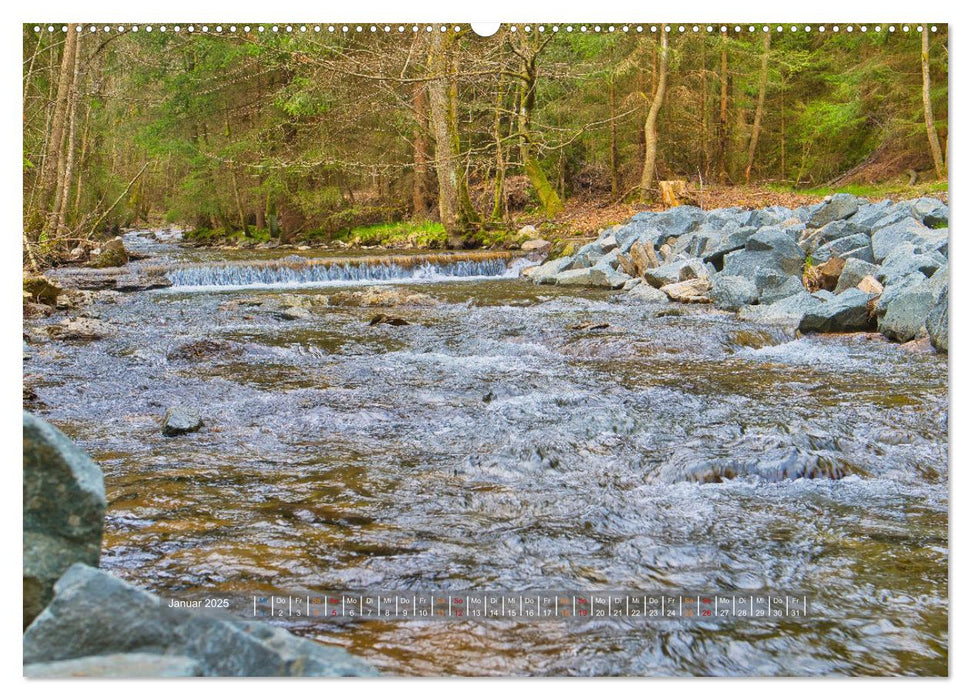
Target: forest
[(310, 132)]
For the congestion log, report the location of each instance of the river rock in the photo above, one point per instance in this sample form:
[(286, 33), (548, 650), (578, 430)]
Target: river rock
[(933, 213), (827, 275), (858, 245), (95, 614), (679, 220), (678, 271), (592, 277), (294, 313), (771, 249), (41, 290), (692, 291), (773, 286), (535, 245), (833, 231), (870, 285), (936, 323), (80, 329), (648, 294), (547, 272), (853, 271), (869, 214), (117, 666), (731, 293), (643, 258), (112, 254), (907, 312), (64, 506), (907, 230), (788, 312), (833, 208), (180, 420), (848, 311), (905, 260)]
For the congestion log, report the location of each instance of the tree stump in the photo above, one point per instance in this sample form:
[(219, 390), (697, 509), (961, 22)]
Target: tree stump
[(674, 193)]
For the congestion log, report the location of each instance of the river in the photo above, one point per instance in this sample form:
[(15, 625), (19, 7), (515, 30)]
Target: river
[(501, 441)]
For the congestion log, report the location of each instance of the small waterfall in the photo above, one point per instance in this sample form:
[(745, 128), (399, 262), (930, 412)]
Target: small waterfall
[(296, 271)]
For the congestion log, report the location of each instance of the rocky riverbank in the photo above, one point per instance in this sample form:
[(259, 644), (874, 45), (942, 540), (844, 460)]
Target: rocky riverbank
[(844, 264), (81, 621)]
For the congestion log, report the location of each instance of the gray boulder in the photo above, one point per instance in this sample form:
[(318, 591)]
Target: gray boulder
[(95, 614), (907, 312), (834, 208), (679, 220), (180, 420), (936, 323), (731, 293), (648, 294), (692, 291), (592, 277), (854, 270), (848, 311), (788, 312), (547, 272), (841, 247), (117, 666), (678, 271), (907, 230), (904, 260), (773, 286), (869, 214), (832, 231), (64, 506), (931, 212), (587, 256), (770, 248)]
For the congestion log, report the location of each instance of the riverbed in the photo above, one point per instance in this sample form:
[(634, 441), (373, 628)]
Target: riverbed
[(503, 440)]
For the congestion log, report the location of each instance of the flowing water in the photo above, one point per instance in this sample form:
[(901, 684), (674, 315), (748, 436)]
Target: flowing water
[(498, 442)]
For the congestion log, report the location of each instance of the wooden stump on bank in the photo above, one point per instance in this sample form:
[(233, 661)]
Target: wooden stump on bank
[(674, 193)]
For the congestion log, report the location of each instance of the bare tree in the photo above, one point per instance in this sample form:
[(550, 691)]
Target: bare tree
[(932, 137), (650, 124), (759, 106)]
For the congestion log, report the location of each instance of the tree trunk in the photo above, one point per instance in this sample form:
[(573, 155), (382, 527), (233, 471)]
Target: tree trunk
[(723, 115), (550, 200), (614, 174), (925, 69), (445, 134), (65, 165), (53, 161), (759, 106), (419, 185), (650, 124)]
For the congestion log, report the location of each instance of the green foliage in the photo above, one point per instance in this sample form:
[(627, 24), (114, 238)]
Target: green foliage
[(418, 234)]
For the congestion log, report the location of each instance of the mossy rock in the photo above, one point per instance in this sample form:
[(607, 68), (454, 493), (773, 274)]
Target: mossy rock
[(113, 254), (41, 290)]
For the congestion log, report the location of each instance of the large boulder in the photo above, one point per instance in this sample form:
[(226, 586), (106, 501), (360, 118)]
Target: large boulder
[(679, 220), (907, 311), (648, 294), (677, 271), (834, 208), (112, 254), (848, 311), (833, 231), (547, 272), (116, 666), (592, 277), (854, 270), (869, 214), (905, 260), (692, 291), (731, 293), (843, 247), (907, 230), (788, 312), (771, 249), (936, 323), (774, 286), (64, 506), (929, 211), (94, 614)]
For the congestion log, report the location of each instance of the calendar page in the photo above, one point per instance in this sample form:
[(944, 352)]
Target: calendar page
[(465, 349)]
